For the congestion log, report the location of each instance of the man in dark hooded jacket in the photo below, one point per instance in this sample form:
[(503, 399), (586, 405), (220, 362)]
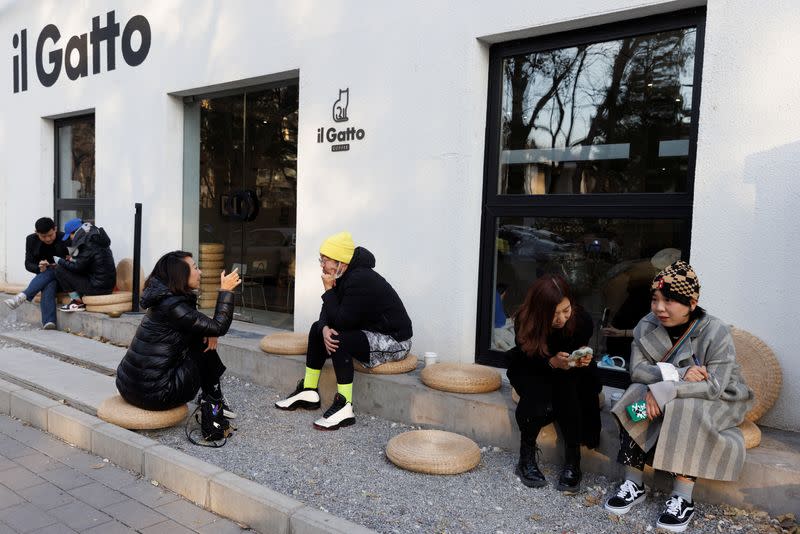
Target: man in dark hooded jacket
[(362, 317), (90, 269)]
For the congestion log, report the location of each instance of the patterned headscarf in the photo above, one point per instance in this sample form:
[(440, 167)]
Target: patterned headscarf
[(678, 282)]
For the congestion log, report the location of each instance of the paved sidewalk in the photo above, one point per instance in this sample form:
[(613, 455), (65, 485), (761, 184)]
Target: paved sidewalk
[(48, 486)]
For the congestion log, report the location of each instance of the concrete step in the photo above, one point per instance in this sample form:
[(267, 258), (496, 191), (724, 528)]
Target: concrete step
[(770, 480), (101, 357), (82, 388)]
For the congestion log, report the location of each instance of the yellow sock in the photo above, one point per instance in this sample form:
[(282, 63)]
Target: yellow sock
[(346, 390), (311, 379)]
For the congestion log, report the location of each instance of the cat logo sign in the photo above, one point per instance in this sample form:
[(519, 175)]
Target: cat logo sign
[(340, 137), (340, 106)]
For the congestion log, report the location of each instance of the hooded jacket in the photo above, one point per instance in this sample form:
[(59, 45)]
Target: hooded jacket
[(157, 372), (363, 300), (92, 257)]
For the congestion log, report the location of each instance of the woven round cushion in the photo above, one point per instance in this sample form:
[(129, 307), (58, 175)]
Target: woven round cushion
[(751, 433), (207, 257), (433, 452), (407, 364), (115, 410), (11, 289), (285, 343), (461, 377), (212, 266), (125, 275), (121, 307), (211, 248), (760, 369), (103, 300)]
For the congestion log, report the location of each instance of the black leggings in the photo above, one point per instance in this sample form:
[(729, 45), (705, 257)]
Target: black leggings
[(210, 368), (352, 344)]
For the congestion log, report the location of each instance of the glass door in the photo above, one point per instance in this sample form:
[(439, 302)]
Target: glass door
[(248, 199)]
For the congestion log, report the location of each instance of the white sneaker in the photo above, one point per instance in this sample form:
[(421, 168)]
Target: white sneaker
[(338, 415), (49, 326), (302, 397), (16, 301)]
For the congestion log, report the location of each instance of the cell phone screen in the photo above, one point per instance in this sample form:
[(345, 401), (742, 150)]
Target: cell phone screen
[(604, 320)]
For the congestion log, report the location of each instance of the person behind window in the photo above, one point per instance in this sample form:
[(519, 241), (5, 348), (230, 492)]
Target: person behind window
[(89, 269), (683, 367), (362, 317), (551, 387), (41, 249), (174, 350)]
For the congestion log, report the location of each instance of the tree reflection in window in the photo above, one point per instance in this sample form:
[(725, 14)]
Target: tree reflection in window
[(608, 117)]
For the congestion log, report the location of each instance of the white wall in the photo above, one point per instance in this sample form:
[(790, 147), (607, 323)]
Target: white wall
[(411, 191)]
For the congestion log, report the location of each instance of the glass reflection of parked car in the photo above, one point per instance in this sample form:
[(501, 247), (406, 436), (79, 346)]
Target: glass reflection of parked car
[(540, 245)]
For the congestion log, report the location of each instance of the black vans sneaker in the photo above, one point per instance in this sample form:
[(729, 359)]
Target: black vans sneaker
[(302, 397), (629, 494), (213, 424), (676, 514), (338, 415)]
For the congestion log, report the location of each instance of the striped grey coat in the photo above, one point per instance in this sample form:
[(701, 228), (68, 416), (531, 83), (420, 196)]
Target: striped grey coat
[(697, 434)]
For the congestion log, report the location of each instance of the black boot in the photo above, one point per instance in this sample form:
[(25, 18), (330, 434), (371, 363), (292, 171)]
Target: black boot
[(570, 479), (527, 469)]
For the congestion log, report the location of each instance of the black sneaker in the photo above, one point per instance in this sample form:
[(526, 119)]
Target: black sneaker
[(676, 514), (338, 415), (629, 493), (213, 424), (73, 306), (302, 397)]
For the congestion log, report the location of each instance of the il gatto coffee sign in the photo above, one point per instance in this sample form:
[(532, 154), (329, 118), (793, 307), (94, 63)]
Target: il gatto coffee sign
[(340, 138), (73, 59)]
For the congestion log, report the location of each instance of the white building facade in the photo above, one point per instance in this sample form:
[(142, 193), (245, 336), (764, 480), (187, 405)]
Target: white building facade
[(471, 146)]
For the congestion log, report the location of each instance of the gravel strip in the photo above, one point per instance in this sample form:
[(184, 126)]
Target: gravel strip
[(347, 474)]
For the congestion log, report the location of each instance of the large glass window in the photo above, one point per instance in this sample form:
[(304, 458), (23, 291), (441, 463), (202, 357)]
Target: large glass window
[(590, 165), (74, 169)]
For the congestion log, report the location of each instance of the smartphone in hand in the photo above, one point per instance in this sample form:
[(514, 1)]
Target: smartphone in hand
[(604, 319), (577, 354)]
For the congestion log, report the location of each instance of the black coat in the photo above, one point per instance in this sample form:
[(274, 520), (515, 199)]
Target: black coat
[(157, 372), (363, 300), (93, 258), (36, 251), (540, 385)]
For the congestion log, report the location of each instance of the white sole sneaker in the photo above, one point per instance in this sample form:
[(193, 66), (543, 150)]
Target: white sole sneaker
[(307, 399), (625, 509), (344, 417)]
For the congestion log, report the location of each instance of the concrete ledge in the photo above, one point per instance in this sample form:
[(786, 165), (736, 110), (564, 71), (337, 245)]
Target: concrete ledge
[(71, 425), (255, 505), (180, 472), (6, 388), (309, 520), (123, 447), (31, 407)]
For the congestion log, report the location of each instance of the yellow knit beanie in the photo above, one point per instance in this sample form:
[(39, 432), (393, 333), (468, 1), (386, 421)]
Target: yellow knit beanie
[(339, 247)]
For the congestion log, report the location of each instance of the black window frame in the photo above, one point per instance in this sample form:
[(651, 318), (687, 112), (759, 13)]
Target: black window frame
[(69, 204), (599, 205)]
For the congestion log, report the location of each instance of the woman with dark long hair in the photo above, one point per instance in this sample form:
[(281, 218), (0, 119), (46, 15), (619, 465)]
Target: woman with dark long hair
[(551, 386), (173, 353)]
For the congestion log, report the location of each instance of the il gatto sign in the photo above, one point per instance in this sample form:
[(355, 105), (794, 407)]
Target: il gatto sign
[(50, 58), (340, 137)]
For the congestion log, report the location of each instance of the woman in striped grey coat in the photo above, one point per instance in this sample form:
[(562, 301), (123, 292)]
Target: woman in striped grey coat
[(690, 394)]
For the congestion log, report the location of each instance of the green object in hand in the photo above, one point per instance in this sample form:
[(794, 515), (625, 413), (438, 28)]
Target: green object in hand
[(637, 411)]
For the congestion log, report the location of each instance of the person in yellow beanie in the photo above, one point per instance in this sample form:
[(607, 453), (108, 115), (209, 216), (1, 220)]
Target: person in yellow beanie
[(362, 317)]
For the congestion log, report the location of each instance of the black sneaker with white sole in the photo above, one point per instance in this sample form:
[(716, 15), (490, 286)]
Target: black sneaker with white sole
[(338, 415), (302, 397), (676, 515), (73, 306), (629, 493)]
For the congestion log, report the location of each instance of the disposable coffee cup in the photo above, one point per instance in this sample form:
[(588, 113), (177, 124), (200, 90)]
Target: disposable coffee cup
[(430, 358)]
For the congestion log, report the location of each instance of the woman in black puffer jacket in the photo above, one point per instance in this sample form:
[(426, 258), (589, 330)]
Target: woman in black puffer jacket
[(173, 353)]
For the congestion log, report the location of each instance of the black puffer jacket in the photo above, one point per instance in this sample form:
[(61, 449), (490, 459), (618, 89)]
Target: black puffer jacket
[(156, 372), (92, 257), (363, 300)]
